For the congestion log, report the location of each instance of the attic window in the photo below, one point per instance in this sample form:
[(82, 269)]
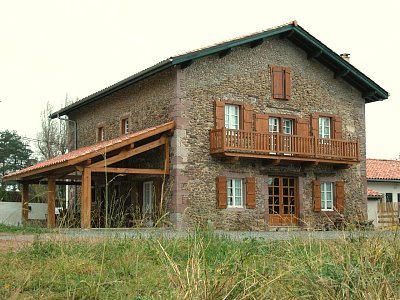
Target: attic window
[(281, 82)]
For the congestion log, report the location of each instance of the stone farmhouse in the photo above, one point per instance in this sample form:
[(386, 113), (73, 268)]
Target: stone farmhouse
[(261, 131)]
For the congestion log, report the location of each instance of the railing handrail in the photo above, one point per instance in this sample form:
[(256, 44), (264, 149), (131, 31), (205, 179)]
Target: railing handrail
[(224, 139)]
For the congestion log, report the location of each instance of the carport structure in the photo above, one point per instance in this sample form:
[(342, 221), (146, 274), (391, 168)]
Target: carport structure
[(110, 156)]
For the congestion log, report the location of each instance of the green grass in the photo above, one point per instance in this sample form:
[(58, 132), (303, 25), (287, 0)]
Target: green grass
[(204, 266), (21, 229)]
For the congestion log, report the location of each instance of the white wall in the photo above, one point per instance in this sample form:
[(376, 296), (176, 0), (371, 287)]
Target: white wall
[(11, 212), (373, 211), (385, 187)]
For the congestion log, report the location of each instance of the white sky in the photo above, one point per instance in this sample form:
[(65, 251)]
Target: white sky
[(52, 48)]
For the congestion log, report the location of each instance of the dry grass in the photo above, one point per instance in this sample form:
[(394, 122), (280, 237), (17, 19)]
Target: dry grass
[(203, 266)]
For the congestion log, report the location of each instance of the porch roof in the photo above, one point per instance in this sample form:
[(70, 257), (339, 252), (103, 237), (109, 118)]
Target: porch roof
[(67, 163)]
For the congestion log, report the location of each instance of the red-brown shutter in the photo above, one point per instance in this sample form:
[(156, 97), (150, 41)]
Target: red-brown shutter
[(315, 125), (250, 192), (247, 117), (337, 127), (340, 196), (219, 114), (317, 195), (303, 127), (277, 82), (288, 84), (222, 199), (262, 123)]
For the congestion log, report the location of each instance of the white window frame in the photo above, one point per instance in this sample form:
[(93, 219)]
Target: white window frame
[(147, 197), (232, 116), (285, 127), (273, 124), (327, 195), (325, 127), (235, 192)]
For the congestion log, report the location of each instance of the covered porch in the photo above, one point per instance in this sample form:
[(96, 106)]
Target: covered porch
[(132, 167)]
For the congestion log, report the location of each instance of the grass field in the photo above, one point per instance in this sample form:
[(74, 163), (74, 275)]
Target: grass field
[(203, 266)]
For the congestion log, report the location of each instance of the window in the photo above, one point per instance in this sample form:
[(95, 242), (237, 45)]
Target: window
[(324, 127), (124, 126), (281, 82), (327, 196), (148, 197), (389, 197), (232, 116), (278, 124), (100, 134), (235, 192)]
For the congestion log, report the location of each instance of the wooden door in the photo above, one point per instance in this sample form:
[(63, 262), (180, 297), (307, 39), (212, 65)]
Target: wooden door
[(282, 200)]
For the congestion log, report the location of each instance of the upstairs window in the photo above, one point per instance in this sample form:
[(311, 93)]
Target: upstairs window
[(232, 116), (324, 124), (100, 134), (124, 126), (280, 125), (281, 83)]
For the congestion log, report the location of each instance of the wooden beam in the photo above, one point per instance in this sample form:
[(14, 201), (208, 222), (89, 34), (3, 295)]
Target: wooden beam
[(25, 203), (51, 203), (286, 34), (231, 159), (314, 54), (130, 171), (186, 64), (224, 52), (166, 157), (341, 73), (256, 43), (86, 201), (126, 154)]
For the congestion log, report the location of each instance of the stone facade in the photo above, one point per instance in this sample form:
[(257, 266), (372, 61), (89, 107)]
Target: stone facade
[(243, 76)]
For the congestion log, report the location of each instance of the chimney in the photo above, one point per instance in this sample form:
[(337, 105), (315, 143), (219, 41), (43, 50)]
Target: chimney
[(345, 56)]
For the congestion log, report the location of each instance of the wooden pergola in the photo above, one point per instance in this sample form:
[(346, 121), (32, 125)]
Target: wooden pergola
[(97, 158)]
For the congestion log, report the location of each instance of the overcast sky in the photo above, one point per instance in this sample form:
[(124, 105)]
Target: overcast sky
[(53, 48)]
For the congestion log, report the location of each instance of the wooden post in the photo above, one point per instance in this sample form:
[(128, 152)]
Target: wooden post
[(166, 157), (86, 201), (51, 203), (25, 203)]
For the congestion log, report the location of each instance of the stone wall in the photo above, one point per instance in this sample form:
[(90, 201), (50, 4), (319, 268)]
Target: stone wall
[(145, 104), (244, 76)]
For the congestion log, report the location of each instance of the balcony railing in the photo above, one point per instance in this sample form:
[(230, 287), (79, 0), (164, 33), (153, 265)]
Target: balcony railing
[(311, 148)]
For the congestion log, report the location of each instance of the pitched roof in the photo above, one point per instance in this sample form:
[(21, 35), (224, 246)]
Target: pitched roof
[(373, 193), (370, 90), (383, 169), (69, 160)]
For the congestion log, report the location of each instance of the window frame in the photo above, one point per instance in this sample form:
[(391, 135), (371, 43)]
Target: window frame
[(330, 122), (234, 195), (281, 118), (333, 196), (239, 117), (124, 126), (100, 133)]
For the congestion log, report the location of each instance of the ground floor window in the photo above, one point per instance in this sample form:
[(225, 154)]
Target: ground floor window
[(327, 196), (235, 192)]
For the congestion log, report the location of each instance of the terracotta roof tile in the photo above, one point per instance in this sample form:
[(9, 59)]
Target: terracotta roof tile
[(383, 169), (98, 148), (373, 193)]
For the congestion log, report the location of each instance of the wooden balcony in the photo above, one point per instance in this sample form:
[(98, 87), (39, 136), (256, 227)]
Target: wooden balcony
[(240, 143)]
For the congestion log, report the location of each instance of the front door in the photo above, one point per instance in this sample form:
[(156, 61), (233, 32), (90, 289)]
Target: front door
[(282, 200)]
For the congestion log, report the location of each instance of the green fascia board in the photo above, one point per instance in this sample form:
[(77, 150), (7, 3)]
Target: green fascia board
[(302, 35)]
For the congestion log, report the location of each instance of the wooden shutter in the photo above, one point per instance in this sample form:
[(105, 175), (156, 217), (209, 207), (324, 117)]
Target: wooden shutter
[(340, 196), (277, 82), (317, 195), (303, 127), (222, 199), (315, 125), (219, 114), (247, 117), (262, 123), (288, 84), (250, 192), (337, 127)]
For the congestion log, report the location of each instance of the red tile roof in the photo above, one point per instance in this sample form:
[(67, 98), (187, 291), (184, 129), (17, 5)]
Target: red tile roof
[(384, 169), (373, 193), (94, 150)]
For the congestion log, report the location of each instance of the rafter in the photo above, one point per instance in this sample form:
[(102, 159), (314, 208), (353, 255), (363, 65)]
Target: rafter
[(256, 43), (130, 171), (129, 153), (224, 52), (314, 54), (341, 73)]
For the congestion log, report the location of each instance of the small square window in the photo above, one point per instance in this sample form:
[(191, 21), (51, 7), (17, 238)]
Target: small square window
[(125, 126)]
